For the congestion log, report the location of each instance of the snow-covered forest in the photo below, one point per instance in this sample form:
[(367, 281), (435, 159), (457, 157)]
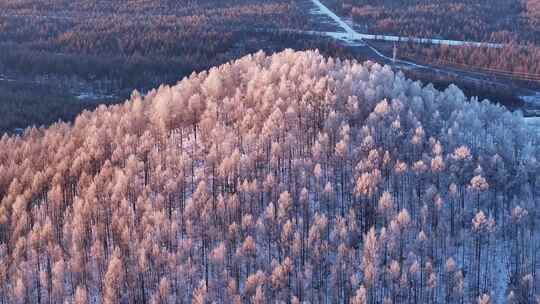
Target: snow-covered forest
[(290, 178)]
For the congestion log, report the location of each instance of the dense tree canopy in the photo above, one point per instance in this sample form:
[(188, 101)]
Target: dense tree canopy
[(283, 178)]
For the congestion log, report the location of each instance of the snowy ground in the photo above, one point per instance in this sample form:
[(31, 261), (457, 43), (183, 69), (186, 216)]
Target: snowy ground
[(429, 41), (345, 38), (93, 96), (5, 78), (323, 10), (533, 100), (533, 122)]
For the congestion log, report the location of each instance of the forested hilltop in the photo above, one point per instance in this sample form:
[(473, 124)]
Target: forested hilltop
[(288, 178)]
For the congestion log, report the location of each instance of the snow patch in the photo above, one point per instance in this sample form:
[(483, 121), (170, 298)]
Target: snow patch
[(533, 122), (93, 96), (6, 78), (531, 99), (323, 10), (345, 38)]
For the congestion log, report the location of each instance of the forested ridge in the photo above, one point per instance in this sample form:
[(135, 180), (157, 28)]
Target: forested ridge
[(287, 178)]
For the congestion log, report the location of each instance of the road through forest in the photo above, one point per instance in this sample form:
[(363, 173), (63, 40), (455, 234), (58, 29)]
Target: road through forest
[(359, 41)]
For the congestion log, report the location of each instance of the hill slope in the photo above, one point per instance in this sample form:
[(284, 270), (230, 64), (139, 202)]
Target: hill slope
[(274, 178)]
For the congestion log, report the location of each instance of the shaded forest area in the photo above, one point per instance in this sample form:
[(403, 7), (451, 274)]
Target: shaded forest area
[(18, 105), (114, 47)]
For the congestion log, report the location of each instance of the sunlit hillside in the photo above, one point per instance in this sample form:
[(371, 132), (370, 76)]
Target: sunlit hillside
[(290, 178)]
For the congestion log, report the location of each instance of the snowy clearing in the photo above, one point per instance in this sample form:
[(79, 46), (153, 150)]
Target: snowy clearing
[(326, 11), (344, 37)]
